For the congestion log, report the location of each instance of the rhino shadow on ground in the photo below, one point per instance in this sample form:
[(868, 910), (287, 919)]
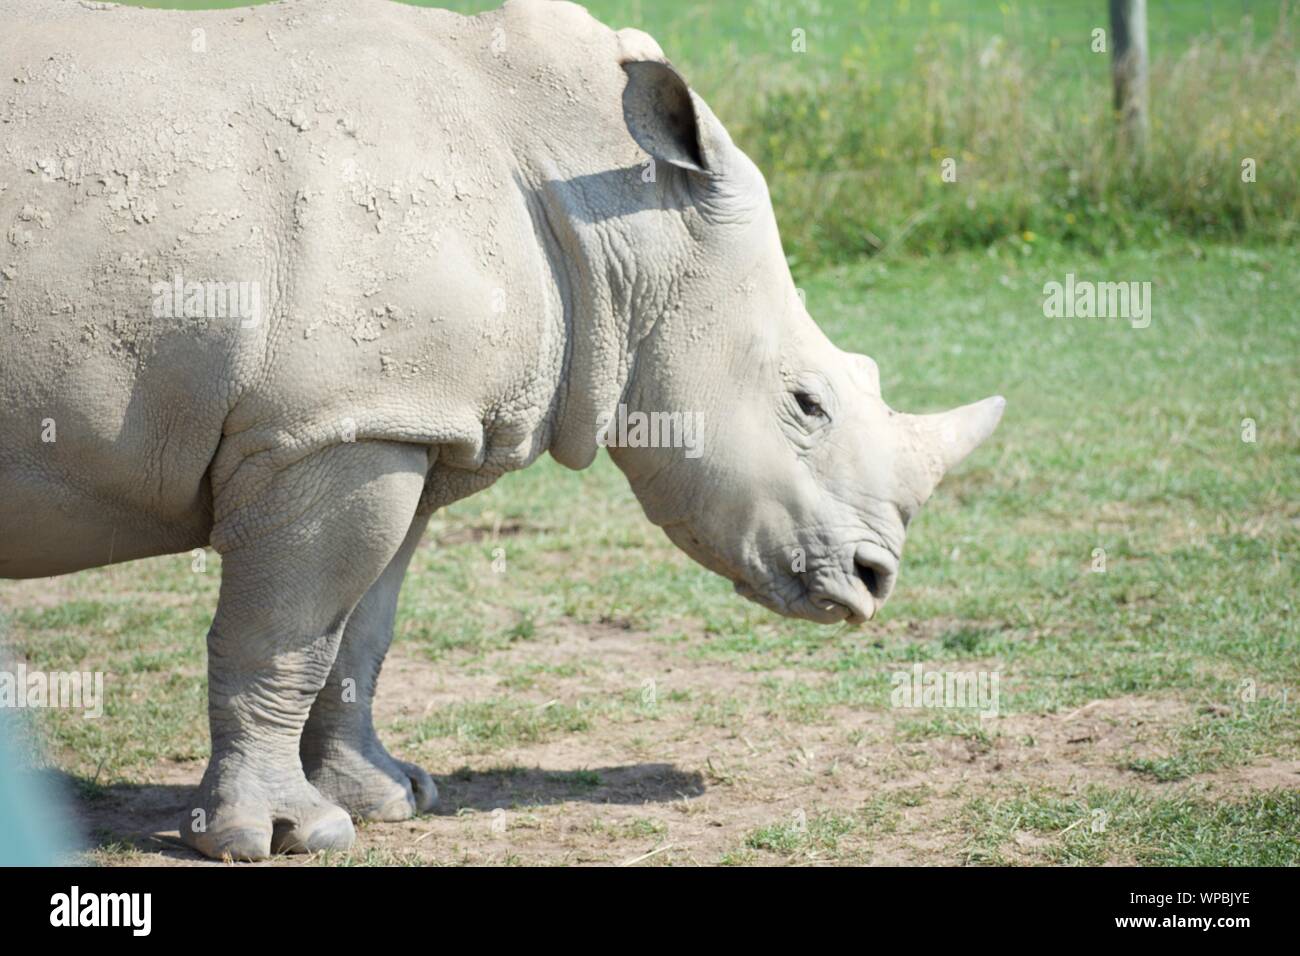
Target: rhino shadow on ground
[(514, 786), (146, 816)]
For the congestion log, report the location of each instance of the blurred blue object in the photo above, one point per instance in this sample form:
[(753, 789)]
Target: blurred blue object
[(34, 828)]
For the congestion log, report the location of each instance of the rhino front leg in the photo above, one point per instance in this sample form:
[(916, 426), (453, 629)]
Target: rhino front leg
[(341, 752), (297, 558)]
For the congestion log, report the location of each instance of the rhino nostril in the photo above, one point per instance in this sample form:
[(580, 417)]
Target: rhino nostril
[(873, 576)]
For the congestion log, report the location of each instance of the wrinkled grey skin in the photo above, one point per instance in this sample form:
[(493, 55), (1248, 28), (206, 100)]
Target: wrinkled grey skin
[(465, 259)]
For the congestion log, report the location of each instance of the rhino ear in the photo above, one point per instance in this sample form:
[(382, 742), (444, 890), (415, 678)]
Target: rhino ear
[(663, 116)]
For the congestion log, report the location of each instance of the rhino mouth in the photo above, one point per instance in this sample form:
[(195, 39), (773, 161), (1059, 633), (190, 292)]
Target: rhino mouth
[(831, 595), (855, 588), (850, 591), (821, 606)]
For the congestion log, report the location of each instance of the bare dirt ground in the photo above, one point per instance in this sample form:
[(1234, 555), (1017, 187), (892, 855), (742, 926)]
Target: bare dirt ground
[(661, 785)]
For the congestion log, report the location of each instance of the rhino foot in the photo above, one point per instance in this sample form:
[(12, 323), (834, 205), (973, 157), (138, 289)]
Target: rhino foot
[(300, 820), (373, 785)]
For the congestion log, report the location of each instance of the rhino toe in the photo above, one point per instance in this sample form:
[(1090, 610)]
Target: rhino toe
[(373, 785), (324, 827), (241, 839), (423, 788)]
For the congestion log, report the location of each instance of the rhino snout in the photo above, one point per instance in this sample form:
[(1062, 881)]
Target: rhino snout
[(853, 594)]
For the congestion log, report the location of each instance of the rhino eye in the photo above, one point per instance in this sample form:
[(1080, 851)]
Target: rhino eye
[(809, 405)]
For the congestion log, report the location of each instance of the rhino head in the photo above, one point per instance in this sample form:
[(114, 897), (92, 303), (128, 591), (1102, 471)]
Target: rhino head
[(802, 480)]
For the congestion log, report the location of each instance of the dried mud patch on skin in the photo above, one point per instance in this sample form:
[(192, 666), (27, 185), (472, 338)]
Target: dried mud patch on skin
[(672, 783)]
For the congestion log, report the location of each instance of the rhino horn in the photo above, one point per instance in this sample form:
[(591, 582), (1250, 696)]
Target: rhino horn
[(940, 441)]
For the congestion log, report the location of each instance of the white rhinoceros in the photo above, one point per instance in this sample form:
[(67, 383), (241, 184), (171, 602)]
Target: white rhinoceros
[(285, 280)]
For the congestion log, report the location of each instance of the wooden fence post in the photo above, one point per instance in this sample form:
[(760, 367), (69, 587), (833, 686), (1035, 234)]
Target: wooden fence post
[(1128, 29)]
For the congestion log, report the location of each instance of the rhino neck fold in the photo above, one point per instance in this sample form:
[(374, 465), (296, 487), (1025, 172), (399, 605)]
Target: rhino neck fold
[(612, 289)]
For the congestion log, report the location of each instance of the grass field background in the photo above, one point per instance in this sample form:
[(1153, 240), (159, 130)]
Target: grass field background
[(1159, 695)]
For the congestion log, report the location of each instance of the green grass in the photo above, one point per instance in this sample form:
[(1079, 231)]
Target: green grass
[(1132, 827), (1219, 740), (829, 837), (498, 723), (817, 833)]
